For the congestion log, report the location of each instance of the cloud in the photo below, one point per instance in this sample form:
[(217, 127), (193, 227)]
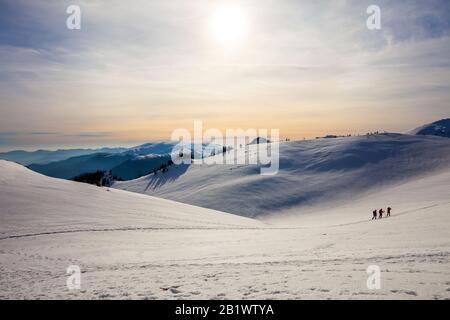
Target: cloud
[(152, 65), (8, 133), (43, 133), (27, 139), (91, 134)]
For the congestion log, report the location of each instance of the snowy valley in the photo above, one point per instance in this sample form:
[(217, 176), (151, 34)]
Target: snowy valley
[(318, 244)]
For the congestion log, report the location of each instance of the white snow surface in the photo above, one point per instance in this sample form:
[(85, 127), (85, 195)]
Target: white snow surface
[(133, 246), (32, 203)]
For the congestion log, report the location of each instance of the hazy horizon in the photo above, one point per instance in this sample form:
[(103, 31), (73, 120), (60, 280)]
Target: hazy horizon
[(134, 73)]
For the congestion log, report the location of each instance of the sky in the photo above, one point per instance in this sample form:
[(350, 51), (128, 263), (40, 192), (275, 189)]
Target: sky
[(137, 70)]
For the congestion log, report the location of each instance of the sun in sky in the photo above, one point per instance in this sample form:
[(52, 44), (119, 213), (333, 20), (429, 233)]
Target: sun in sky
[(228, 25), (309, 68)]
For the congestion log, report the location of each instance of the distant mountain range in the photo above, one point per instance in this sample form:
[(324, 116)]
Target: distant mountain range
[(125, 163), (135, 162), (46, 156)]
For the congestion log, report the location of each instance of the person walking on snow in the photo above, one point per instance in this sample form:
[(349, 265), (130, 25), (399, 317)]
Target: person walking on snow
[(374, 213), (380, 214), (389, 209)]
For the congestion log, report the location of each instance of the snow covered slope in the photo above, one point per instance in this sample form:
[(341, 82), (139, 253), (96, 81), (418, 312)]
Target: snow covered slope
[(439, 128), (312, 173), (32, 203), (139, 247)]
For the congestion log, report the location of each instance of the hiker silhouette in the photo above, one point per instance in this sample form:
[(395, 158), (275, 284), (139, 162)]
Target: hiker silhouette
[(374, 215)]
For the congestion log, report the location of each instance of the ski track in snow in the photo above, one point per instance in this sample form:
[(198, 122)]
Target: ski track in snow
[(204, 228), (128, 229)]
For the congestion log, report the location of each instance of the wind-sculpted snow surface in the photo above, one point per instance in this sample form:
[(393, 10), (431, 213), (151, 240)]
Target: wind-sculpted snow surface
[(132, 246), (311, 173)]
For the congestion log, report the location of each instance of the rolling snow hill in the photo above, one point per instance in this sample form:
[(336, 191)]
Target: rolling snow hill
[(32, 203), (439, 128), (134, 246), (312, 173)]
